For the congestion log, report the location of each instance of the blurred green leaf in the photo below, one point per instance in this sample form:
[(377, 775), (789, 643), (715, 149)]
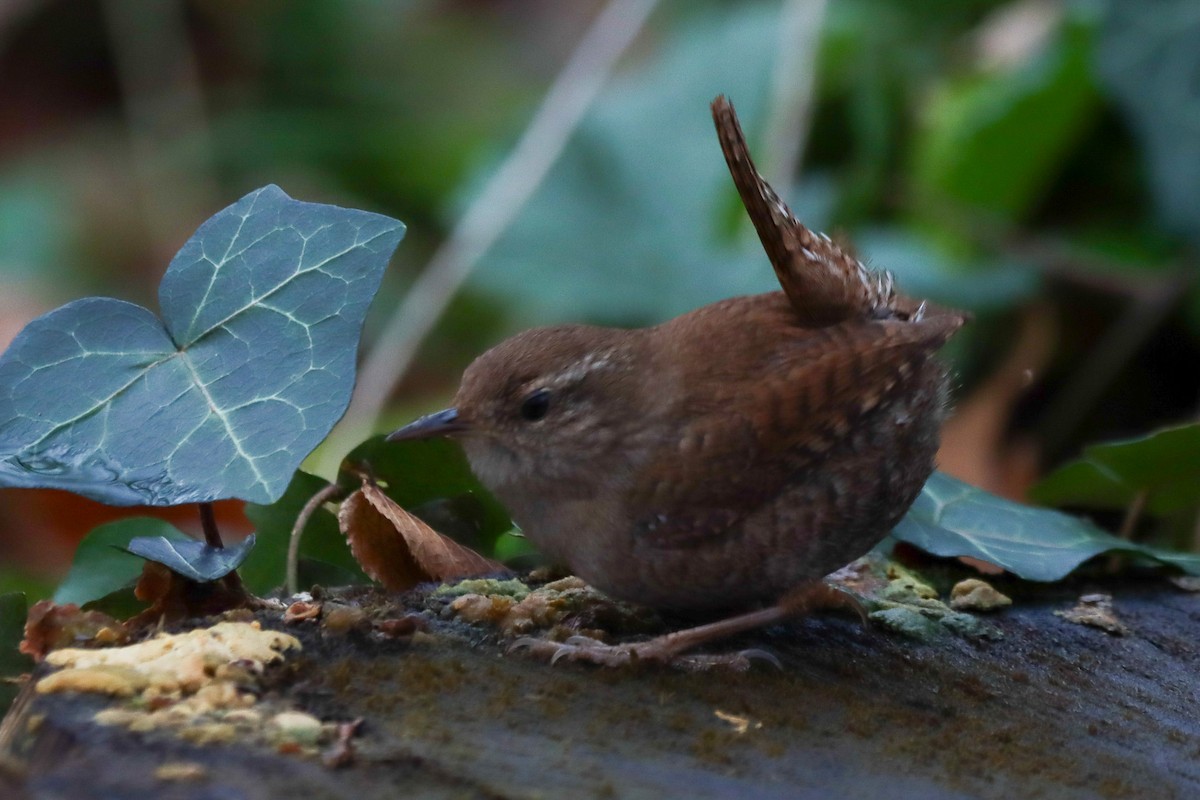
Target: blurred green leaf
[(995, 141), (197, 561), (432, 479), (325, 557), (34, 587), (951, 519), (1165, 465), (1149, 59), (355, 94), (101, 566), (924, 271), (517, 552), (121, 604), (34, 235), (12, 630), (629, 222)]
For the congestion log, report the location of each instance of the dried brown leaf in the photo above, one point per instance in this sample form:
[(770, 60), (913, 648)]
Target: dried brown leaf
[(173, 597), (977, 444), (50, 627), (399, 550)]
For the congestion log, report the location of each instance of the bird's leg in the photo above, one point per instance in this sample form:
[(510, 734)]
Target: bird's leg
[(670, 648)]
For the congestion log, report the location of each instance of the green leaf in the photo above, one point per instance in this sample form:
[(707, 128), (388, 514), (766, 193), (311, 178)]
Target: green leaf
[(432, 479), (924, 271), (34, 587), (12, 630), (1149, 62), (35, 237), (1165, 465), (951, 518), (995, 141), (121, 604), (632, 220), (516, 551), (101, 566), (197, 561), (325, 556), (249, 369)]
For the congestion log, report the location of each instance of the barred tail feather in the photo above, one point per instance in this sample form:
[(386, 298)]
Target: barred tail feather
[(825, 284)]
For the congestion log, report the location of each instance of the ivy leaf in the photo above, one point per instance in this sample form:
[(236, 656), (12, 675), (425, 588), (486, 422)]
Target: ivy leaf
[(102, 566), (192, 559), (250, 367), (1165, 465), (951, 518)]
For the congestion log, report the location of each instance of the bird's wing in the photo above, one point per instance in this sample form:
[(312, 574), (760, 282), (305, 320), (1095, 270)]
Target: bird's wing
[(739, 442)]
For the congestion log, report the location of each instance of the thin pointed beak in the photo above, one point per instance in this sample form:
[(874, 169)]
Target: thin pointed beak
[(439, 423)]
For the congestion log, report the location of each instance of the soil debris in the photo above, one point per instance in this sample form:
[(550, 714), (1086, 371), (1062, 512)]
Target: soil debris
[(1096, 610)]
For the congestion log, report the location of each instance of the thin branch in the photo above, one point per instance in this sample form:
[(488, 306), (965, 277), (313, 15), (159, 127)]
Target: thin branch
[(293, 554), (208, 521), (793, 87), (494, 209), (1133, 514)]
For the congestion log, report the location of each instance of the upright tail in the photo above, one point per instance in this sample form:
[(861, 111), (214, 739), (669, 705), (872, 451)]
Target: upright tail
[(825, 284)]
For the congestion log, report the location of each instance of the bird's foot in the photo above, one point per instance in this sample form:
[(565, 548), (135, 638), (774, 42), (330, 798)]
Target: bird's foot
[(822, 596), (670, 649), (664, 650)]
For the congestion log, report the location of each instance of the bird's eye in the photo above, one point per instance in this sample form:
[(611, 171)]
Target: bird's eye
[(535, 405)]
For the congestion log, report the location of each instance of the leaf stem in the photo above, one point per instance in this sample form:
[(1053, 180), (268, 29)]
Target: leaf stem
[(1133, 514), (208, 520), (293, 554)]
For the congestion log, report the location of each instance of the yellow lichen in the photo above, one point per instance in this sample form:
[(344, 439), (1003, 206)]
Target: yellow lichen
[(976, 595), (184, 661), (115, 680)]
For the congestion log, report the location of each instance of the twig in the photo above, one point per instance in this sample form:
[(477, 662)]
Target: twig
[(1133, 514), (208, 521), (794, 82), (293, 554), (341, 753), (492, 210)]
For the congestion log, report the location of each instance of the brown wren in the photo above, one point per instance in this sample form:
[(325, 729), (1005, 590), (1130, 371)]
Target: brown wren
[(727, 457)]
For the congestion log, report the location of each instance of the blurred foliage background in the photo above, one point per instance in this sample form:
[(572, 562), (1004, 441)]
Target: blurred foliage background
[(1034, 161)]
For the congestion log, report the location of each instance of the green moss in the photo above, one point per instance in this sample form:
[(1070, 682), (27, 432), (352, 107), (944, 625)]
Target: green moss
[(486, 586), (971, 626), (908, 621)]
